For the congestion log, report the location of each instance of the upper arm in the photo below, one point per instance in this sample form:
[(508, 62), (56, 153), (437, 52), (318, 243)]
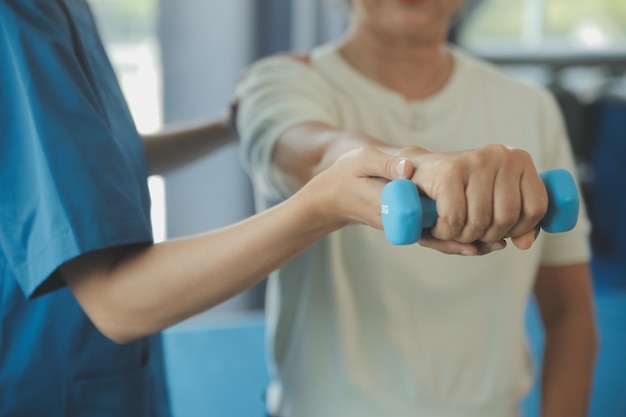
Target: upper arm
[(276, 95), (300, 152)]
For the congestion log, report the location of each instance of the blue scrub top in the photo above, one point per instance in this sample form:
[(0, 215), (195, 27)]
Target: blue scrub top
[(72, 180)]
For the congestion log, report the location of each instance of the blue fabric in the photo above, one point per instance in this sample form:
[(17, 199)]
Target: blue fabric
[(608, 198), (72, 180)]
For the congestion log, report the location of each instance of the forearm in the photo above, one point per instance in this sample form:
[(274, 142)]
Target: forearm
[(175, 147), (564, 297), (152, 288), (307, 149), (567, 373)]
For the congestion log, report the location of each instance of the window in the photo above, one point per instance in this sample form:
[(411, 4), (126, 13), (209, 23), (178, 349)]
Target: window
[(127, 28), (546, 26)]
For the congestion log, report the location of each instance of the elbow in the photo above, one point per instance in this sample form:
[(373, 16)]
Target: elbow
[(114, 333), (118, 319), (118, 328), (104, 296), (118, 337)]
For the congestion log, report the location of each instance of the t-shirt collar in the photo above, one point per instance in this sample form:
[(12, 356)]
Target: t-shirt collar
[(328, 56)]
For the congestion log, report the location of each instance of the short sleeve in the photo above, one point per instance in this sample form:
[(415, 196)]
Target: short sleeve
[(72, 173), (574, 246), (275, 95)]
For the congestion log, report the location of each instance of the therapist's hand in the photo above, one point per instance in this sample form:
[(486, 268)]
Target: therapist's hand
[(350, 190), (483, 196)]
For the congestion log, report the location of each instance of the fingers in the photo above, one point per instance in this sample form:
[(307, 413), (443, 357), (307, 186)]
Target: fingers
[(370, 162), (452, 247), (452, 210), (534, 205), (483, 195), (524, 241), (349, 191), (479, 194), (449, 247), (405, 168), (506, 205)]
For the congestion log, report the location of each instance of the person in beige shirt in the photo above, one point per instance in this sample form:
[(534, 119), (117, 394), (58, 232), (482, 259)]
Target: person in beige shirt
[(358, 327)]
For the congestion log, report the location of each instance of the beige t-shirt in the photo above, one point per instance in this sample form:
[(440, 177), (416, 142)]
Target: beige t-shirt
[(359, 327)]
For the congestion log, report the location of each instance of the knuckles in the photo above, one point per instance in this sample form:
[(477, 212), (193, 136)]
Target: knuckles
[(508, 220), (505, 155), (454, 222), (537, 208), (481, 222)]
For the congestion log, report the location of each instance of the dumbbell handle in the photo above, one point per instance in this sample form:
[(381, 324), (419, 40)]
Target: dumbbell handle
[(405, 212)]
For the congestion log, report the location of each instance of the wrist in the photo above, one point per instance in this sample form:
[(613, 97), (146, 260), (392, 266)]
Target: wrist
[(317, 203)]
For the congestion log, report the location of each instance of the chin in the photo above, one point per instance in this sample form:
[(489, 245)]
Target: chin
[(414, 2), (419, 27), (420, 17)]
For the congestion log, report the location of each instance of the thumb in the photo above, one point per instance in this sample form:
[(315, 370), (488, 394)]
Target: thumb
[(382, 165), (404, 169), (392, 168), (525, 241)]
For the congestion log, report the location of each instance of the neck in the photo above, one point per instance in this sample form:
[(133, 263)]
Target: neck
[(416, 68)]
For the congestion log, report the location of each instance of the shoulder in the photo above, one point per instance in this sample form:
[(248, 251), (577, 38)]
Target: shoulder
[(279, 66), (292, 74), (305, 67), (531, 102), (486, 75)]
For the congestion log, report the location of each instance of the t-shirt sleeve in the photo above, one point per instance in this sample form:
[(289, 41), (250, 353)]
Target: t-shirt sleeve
[(573, 246), (275, 95), (72, 174)]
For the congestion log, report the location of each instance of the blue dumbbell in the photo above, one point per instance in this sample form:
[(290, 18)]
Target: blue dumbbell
[(405, 212)]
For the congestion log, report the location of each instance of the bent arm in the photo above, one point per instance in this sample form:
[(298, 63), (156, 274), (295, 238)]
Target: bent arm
[(132, 292), (177, 146), (565, 303)]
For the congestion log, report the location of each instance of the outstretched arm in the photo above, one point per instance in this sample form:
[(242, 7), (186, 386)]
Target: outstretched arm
[(483, 195), (131, 292)]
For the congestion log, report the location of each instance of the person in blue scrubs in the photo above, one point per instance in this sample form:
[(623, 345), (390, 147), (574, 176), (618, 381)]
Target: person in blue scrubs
[(82, 286)]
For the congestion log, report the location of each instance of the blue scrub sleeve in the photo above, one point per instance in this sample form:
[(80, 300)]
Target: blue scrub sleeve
[(72, 170)]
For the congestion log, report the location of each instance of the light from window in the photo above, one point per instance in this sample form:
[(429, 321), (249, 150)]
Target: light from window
[(553, 26), (128, 34)]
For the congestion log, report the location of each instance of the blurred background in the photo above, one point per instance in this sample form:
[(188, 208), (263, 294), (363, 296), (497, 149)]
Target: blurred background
[(179, 61)]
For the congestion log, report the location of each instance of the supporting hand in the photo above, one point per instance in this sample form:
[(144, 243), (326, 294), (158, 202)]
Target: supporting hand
[(349, 191)]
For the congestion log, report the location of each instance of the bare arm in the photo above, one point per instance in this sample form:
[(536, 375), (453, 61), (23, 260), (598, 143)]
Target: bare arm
[(309, 148), (565, 302), (482, 195), (131, 292), (176, 146)]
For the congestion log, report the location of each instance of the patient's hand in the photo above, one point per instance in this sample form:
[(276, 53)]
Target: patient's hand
[(483, 196)]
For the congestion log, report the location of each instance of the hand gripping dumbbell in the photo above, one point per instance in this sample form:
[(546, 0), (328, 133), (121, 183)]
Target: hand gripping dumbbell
[(405, 212)]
